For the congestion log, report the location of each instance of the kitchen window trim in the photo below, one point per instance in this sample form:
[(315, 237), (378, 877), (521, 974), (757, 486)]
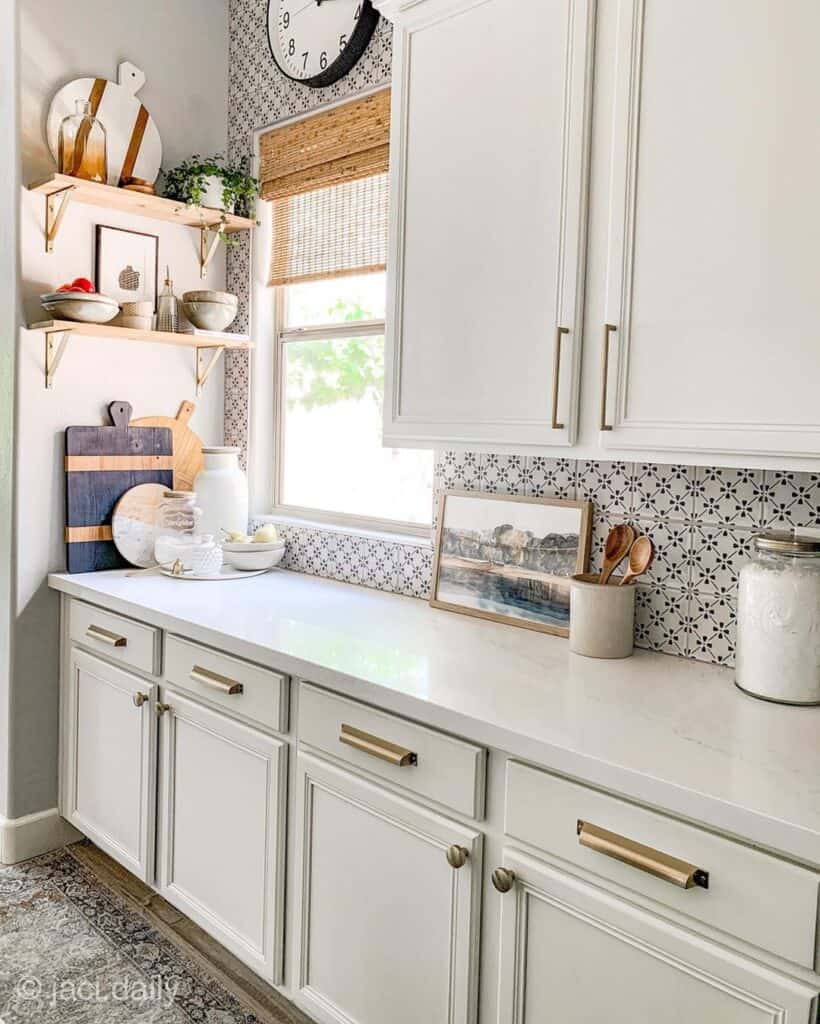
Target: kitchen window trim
[(314, 516)]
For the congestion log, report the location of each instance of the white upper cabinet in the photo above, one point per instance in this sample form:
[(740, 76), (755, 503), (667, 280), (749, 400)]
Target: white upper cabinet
[(713, 286), (489, 146)]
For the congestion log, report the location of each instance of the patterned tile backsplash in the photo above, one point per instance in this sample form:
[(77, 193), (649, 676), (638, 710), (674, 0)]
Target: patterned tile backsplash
[(701, 520)]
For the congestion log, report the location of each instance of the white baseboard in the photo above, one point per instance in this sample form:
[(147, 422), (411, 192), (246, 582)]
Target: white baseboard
[(22, 838)]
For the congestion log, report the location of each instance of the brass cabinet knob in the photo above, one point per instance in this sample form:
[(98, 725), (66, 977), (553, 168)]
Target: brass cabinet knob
[(457, 856), (503, 879), (161, 709), (139, 699)]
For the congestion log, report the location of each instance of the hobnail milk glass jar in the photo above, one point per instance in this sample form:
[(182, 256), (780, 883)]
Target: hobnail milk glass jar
[(222, 491), (178, 523), (778, 620)]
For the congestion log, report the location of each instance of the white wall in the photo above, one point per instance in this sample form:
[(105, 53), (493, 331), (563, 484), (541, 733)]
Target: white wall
[(182, 47)]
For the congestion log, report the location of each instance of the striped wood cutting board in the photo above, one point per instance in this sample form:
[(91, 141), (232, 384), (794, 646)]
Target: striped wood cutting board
[(101, 464)]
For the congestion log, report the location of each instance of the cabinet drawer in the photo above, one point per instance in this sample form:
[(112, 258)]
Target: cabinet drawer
[(116, 638), (248, 691), (423, 761), (751, 895)]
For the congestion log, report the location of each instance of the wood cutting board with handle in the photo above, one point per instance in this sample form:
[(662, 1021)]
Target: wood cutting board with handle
[(101, 464), (188, 458)]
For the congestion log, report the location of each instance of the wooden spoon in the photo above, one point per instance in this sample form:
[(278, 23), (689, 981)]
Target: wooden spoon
[(641, 556), (618, 543)]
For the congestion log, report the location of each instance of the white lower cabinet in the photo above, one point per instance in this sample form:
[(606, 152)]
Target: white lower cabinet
[(220, 854), (388, 928), (109, 758), (572, 953)]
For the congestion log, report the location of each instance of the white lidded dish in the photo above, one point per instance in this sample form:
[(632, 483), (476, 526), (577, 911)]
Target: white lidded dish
[(778, 619)]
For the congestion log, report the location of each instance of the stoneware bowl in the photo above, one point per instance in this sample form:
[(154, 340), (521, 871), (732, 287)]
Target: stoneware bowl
[(80, 306), (252, 557), (209, 310)]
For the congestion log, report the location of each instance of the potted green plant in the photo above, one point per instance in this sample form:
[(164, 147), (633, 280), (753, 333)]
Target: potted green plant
[(212, 182)]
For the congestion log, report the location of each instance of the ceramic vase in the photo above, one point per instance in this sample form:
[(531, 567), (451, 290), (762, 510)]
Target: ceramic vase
[(222, 492)]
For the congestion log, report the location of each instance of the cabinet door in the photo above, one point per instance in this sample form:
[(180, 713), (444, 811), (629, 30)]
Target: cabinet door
[(571, 953), (109, 758), (222, 816), (712, 282), (488, 185), (389, 930)]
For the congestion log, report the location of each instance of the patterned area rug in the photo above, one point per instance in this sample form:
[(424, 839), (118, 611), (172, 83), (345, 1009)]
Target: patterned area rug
[(73, 949)]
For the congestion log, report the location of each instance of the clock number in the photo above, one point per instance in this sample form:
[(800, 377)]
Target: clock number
[(291, 47), (305, 56), (323, 60), (342, 41), (286, 20)]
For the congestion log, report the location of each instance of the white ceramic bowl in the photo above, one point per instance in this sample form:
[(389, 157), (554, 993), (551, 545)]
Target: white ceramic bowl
[(80, 306), (253, 557), (209, 310)]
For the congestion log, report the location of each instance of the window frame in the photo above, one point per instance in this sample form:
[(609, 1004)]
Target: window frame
[(282, 335)]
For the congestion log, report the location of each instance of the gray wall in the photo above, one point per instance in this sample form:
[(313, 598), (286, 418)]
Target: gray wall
[(182, 47)]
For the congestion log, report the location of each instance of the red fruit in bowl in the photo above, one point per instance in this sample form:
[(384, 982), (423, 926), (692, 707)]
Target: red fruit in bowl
[(82, 284), (67, 288)]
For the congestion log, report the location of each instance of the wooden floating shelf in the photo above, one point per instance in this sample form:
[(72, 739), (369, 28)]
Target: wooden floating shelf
[(214, 343), (155, 207)]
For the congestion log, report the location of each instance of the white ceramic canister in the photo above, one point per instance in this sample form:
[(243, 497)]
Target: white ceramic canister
[(222, 492), (601, 617), (778, 620)]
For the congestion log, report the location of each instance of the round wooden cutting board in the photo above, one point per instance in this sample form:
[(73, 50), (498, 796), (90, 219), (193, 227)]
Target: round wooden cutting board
[(187, 445)]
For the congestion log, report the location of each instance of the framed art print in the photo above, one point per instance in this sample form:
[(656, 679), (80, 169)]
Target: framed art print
[(126, 265), (509, 558)]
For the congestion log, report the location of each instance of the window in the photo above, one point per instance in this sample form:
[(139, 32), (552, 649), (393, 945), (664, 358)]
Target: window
[(330, 370), (327, 177)]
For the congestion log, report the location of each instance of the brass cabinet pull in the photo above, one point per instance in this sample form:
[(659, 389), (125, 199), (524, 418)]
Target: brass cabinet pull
[(105, 636), (215, 681), (654, 862), (556, 376), (503, 879), (457, 856), (161, 709), (384, 749), (608, 331), (139, 699)]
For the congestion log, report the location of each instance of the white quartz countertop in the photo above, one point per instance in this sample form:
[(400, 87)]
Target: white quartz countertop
[(673, 733)]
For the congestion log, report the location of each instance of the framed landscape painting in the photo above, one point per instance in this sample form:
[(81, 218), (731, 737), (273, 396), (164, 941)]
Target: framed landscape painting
[(509, 558)]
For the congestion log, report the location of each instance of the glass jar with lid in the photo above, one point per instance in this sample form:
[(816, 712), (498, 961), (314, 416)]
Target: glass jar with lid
[(177, 525), (778, 619)]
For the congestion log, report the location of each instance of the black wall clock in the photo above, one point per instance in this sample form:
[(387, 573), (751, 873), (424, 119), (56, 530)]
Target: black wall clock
[(316, 42)]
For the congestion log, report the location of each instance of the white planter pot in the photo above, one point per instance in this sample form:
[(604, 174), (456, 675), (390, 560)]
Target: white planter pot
[(212, 194), (222, 492)]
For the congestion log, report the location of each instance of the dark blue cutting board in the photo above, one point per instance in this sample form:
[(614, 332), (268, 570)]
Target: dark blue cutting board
[(102, 463)]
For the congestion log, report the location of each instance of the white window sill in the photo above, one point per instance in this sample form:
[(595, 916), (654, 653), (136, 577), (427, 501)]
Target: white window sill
[(366, 533)]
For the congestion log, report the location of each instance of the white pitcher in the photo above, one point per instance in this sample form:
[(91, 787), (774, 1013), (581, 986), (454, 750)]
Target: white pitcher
[(222, 492)]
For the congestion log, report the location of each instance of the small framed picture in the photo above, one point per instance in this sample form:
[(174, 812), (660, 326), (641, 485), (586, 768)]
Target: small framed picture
[(509, 558), (127, 265)]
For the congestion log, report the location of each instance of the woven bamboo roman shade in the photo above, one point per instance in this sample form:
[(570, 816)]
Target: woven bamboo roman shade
[(327, 177)]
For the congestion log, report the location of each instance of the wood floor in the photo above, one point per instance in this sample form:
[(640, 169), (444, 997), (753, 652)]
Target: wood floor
[(260, 998)]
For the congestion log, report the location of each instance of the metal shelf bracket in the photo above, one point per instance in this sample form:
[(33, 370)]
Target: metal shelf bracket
[(56, 206), (205, 365), (207, 247), (56, 344)]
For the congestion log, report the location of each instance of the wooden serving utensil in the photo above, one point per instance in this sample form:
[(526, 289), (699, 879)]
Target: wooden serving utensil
[(641, 556), (618, 544)]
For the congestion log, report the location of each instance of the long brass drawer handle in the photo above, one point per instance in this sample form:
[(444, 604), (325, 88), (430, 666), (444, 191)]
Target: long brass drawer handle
[(376, 747), (105, 636), (216, 682), (608, 330), (556, 376), (645, 858)]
